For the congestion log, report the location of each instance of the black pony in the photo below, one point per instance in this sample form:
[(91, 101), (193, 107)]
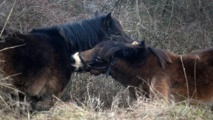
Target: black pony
[(38, 61)]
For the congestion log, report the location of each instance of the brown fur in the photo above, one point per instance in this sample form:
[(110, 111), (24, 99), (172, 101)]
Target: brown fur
[(38, 82), (157, 72)]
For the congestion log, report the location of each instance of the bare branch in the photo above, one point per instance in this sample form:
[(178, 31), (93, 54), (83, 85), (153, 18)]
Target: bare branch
[(8, 17)]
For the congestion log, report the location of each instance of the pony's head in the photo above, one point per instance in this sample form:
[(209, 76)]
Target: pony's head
[(113, 29), (105, 54)]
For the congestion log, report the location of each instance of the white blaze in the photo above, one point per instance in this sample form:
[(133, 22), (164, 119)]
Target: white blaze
[(78, 62)]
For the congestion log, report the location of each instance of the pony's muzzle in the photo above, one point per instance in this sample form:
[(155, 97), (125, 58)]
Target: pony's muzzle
[(76, 61)]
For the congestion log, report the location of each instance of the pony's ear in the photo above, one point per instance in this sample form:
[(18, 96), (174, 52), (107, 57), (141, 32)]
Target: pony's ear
[(142, 43), (140, 48), (97, 13), (108, 20)]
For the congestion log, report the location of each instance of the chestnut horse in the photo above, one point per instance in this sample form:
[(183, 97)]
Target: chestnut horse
[(152, 71), (38, 61)]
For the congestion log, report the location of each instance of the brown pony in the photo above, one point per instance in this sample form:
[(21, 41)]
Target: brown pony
[(38, 62), (152, 71)]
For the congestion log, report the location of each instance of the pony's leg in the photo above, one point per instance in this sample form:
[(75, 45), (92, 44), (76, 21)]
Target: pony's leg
[(159, 89), (46, 100), (44, 103), (53, 89), (132, 93)]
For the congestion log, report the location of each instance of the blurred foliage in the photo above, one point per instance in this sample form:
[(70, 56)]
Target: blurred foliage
[(180, 26)]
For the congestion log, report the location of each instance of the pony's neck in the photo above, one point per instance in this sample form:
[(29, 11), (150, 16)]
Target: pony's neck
[(126, 74), (82, 35)]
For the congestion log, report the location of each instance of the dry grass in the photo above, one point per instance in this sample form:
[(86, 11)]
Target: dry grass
[(139, 110), (92, 107), (180, 26)]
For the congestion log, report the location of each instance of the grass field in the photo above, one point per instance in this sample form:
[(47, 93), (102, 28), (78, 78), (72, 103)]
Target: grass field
[(117, 107)]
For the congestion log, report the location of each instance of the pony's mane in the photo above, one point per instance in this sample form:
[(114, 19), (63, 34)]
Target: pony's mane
[(162, 56), (77, 33), (80, 35)]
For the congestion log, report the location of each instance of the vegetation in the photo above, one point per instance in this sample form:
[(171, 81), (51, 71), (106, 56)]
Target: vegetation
[(180, 26)]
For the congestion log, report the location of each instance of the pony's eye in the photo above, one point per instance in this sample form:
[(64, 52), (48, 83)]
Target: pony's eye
[(98, 59), (117, 34)]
